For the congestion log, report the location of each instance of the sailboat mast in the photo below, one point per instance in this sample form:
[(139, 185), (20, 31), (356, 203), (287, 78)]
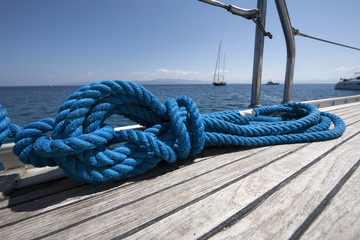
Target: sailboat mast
[(223, 71), (217, 66)]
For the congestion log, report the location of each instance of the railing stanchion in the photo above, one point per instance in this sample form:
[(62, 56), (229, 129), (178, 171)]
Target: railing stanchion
[(258, 57), (290, 47)]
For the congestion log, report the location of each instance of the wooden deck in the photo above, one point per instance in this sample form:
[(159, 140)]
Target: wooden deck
[(307, 191)]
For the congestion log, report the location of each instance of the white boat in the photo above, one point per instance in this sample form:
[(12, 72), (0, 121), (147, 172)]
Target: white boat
[(349, 83), (271, 82)]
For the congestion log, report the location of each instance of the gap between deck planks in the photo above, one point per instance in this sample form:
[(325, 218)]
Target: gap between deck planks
[(340, 219), (170, 204)]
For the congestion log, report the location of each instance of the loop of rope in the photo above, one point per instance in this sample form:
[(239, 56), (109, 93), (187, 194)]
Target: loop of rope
[(79, 142)]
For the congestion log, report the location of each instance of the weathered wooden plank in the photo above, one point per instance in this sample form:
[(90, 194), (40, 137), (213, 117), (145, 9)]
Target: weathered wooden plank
[(122, 196), (340, 218), (202, 217), (280, 215), (354, 107), (37, 192), (116, 202), (338, 110), (33, 193)]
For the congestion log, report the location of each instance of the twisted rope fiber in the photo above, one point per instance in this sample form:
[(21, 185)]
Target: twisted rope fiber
[(80, 143)]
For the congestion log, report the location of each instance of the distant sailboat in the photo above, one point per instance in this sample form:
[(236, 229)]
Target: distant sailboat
[(219, 76)]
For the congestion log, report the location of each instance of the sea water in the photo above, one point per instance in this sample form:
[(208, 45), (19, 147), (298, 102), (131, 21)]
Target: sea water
[(28, 104)]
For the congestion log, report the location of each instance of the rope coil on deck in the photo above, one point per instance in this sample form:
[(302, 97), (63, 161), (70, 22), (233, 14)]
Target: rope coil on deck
[(87, 150)]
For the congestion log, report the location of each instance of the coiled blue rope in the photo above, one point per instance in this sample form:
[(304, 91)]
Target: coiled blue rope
[(80, 142)]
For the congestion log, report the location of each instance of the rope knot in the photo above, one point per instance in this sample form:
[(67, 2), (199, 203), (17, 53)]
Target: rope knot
[(80, 143), (187, 125)]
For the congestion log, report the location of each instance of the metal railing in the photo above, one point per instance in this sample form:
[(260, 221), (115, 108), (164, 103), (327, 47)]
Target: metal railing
[(258, 57), (290, 48), (245, 13)]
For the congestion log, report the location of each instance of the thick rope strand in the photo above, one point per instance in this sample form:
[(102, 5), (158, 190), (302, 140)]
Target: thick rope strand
[(90, 151)]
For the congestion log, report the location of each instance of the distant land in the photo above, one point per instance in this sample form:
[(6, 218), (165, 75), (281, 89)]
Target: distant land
[(170, 81), (165, 81)]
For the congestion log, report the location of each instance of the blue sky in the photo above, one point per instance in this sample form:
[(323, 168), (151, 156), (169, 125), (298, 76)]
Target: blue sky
[(77, 41)]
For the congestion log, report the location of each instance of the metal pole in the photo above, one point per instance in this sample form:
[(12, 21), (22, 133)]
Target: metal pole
[(258, 57), (245, 13), (290, 46)]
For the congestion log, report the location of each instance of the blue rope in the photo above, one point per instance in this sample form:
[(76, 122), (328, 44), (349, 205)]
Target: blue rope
[(81, 144)]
